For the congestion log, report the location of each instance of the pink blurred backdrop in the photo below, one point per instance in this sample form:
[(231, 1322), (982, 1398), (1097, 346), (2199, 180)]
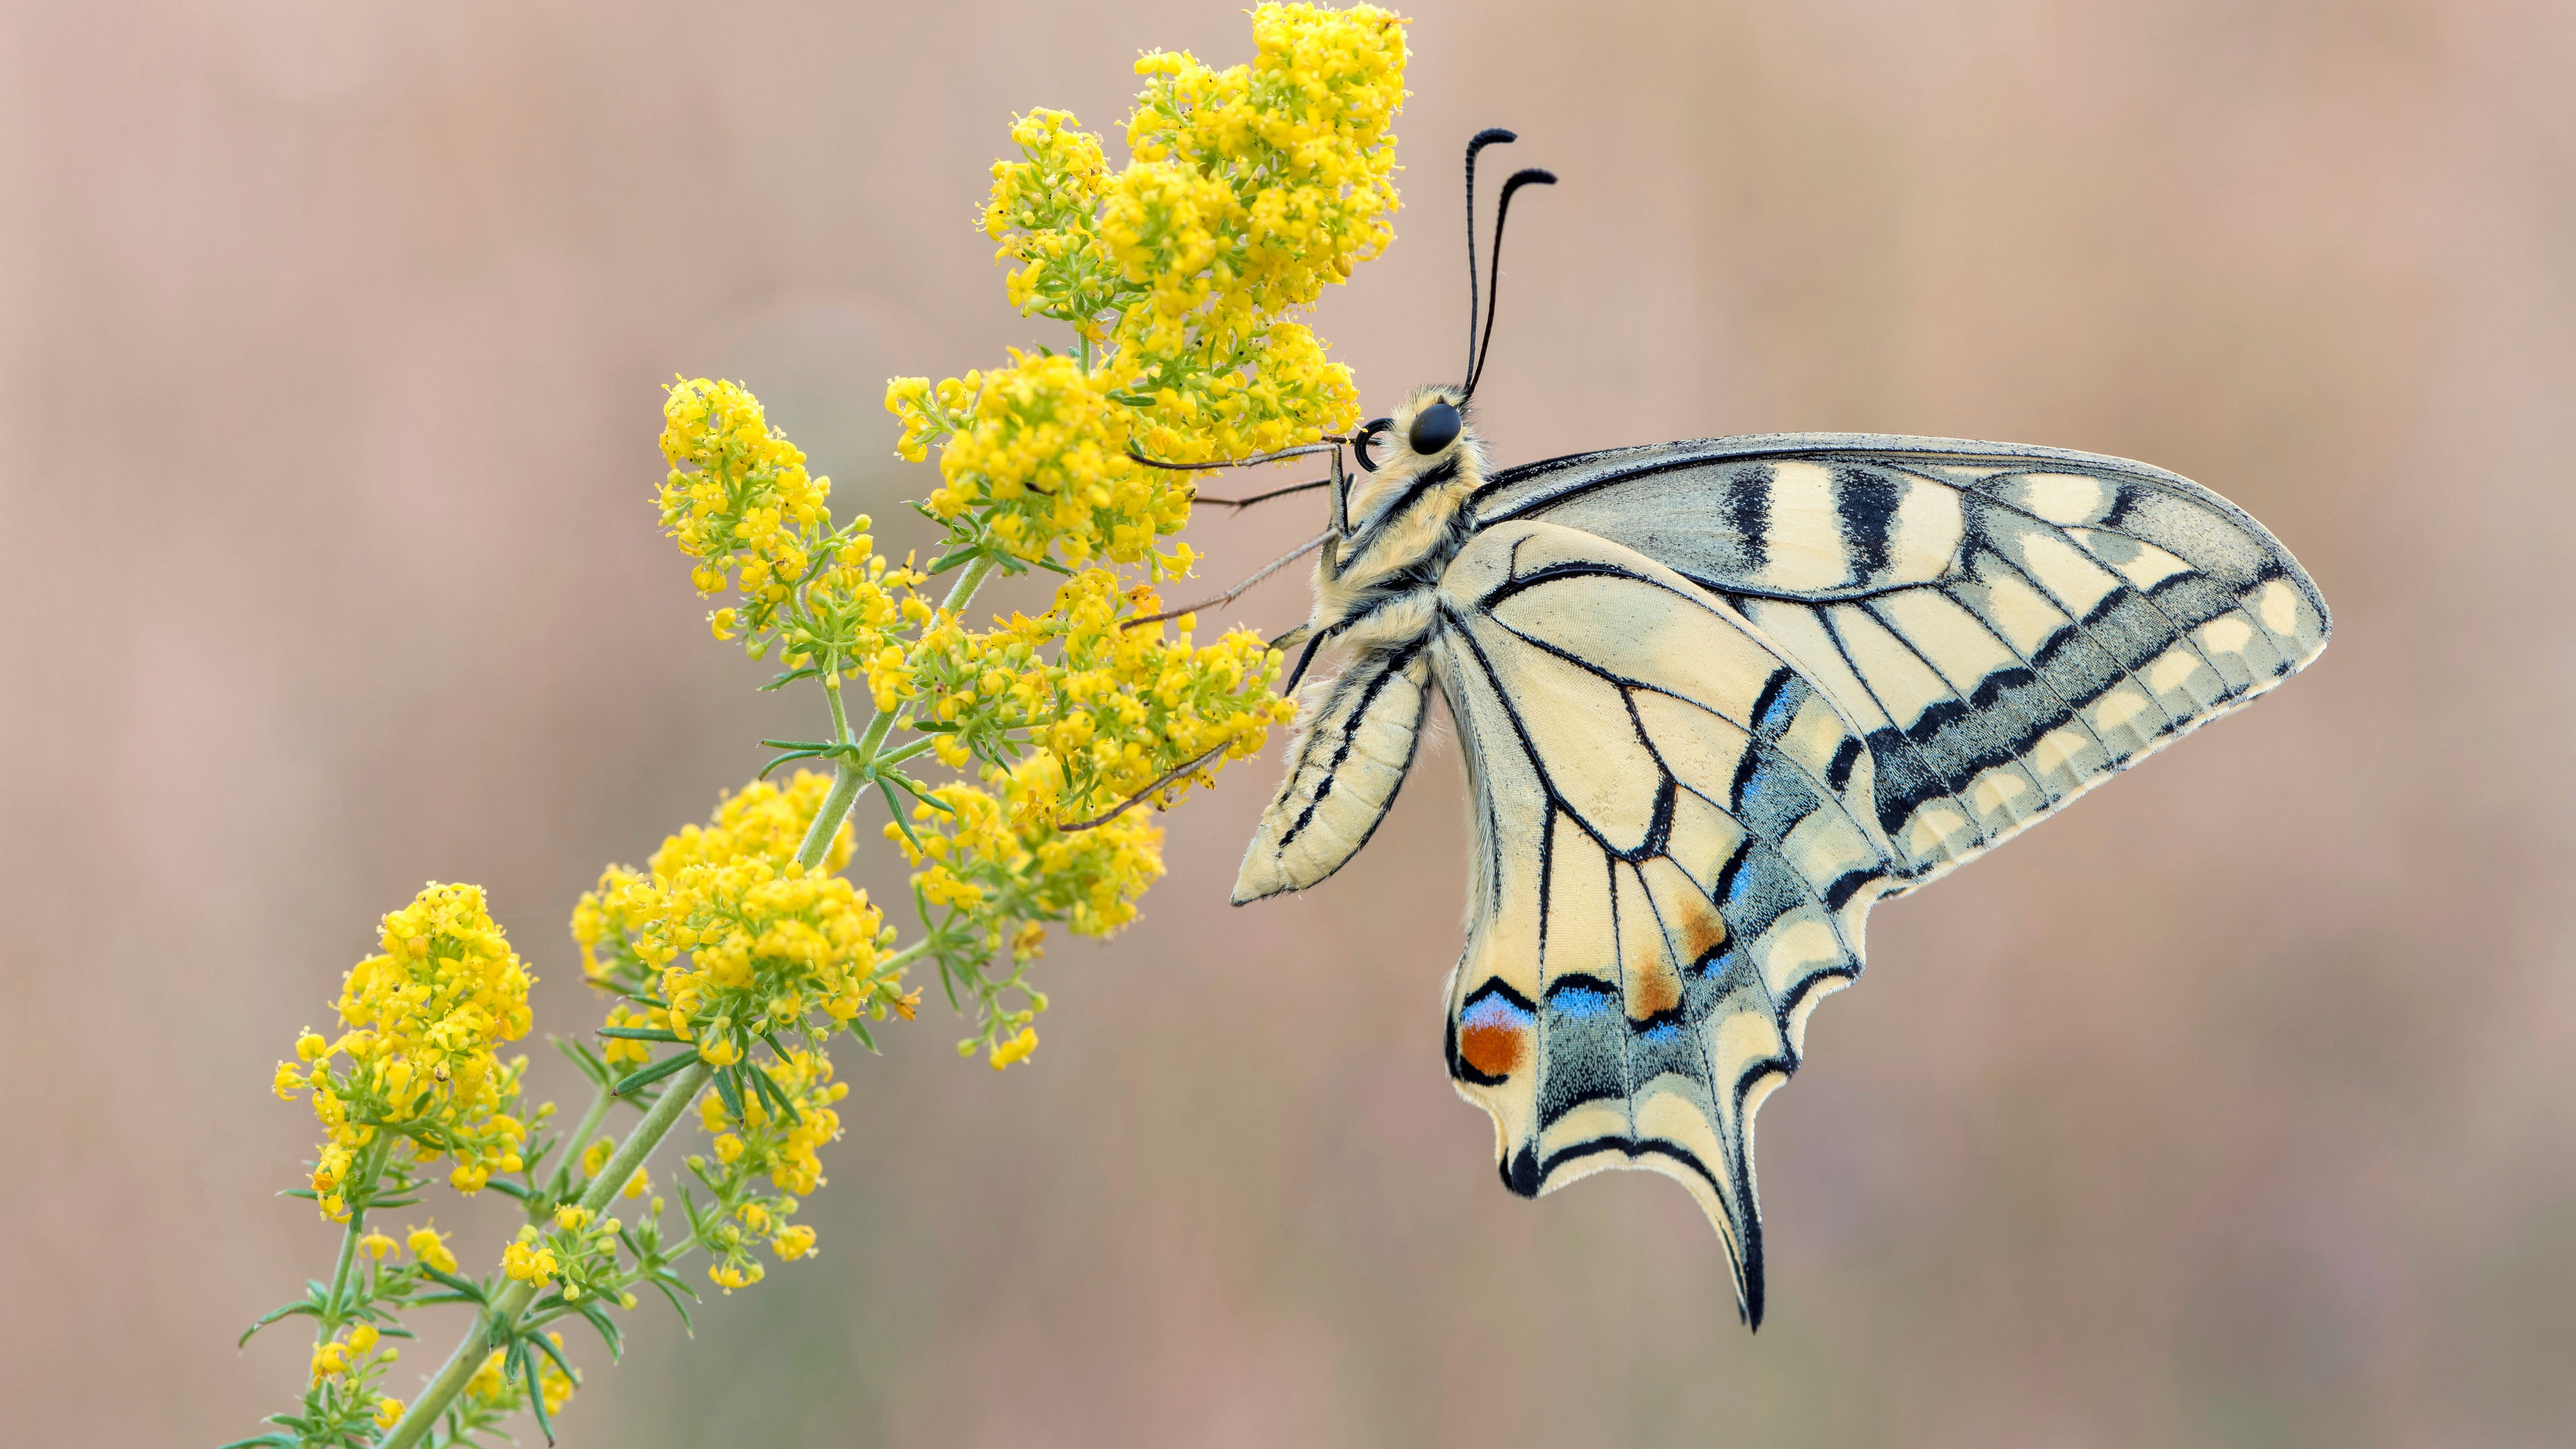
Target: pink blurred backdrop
[(2234, 1109)]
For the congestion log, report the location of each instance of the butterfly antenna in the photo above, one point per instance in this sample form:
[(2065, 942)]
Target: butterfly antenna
[(1494, 278), (1476, 143)]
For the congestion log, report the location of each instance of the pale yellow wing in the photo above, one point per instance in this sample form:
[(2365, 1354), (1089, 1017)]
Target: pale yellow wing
[(1343, 772), (1674, 861), (2008, 625)]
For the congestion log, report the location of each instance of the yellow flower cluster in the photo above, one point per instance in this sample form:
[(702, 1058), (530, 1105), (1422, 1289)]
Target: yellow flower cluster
[(1088, 713), (1011, 875), (1043, 209), (1249, 190), (419, 1063), (577, 1250), (337, 1356), (738, 500), (429, 1245), (781, 1145), (1115, 707), (764, 821), (1039, 449), (768, 944)]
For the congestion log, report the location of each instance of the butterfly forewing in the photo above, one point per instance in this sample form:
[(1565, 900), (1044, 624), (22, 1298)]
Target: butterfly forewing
[(2008, 625)]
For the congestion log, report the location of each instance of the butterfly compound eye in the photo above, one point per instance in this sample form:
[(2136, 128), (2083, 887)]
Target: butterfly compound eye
[(1434, 428)]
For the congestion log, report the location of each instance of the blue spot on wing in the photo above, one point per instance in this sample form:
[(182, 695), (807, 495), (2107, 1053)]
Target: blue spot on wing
[(1494, 1013)]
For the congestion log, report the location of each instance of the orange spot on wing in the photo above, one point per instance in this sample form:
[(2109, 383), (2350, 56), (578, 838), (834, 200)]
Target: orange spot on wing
[(1493, 1048), (1702, 931), (1653, 985)]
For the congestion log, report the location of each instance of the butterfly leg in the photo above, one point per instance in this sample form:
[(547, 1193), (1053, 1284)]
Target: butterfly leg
[(1230, 595)]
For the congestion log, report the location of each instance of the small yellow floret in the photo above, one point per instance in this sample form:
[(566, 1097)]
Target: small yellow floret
[(429, 1245)]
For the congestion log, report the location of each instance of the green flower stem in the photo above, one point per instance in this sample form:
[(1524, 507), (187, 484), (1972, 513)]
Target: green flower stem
[(967, 583), (514, 1300), (369, 1168), (330, 1323), (600, 1100), (840, 711), (904, 956), (905, 752), (848, 779), (857, 770), (852, 775)]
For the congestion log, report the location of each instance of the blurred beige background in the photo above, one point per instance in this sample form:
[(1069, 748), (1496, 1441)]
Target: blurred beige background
[(2233, 1110)]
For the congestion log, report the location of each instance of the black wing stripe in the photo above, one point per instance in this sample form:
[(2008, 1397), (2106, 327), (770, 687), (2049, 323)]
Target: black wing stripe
[(1971, 716), (1911, 803)]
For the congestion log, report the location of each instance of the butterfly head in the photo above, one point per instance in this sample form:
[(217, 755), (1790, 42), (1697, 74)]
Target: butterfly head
[(1431, 434), (1433, 426)]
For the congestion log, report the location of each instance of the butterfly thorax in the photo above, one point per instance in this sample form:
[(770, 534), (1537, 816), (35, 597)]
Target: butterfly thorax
[(1373, 588)]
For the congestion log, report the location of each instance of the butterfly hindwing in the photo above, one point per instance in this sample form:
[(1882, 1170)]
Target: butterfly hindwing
[(1343, 773), (2009, 626), (1675, 856)]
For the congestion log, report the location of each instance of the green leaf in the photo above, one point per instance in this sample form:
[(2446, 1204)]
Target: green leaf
[(470, 1290), (727, 1089), (919, 791), (777, 1095), (681, 1308), (508, 1188), (290, 1310), (282, 1441), (646, 1076), (608, 1333), (546, 1346), (894, 808), (789, 758), (536, 1393), (640, 1033), (583, 1058)]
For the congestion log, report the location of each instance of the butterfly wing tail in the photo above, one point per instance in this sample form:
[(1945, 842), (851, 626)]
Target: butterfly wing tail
[(1665, 1076)]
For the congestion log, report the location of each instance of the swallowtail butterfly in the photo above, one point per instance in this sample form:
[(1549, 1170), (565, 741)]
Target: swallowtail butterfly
[(1716, 700)]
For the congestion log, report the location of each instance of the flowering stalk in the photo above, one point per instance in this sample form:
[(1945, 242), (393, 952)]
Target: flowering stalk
[(495, 1322), (739, 954)]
